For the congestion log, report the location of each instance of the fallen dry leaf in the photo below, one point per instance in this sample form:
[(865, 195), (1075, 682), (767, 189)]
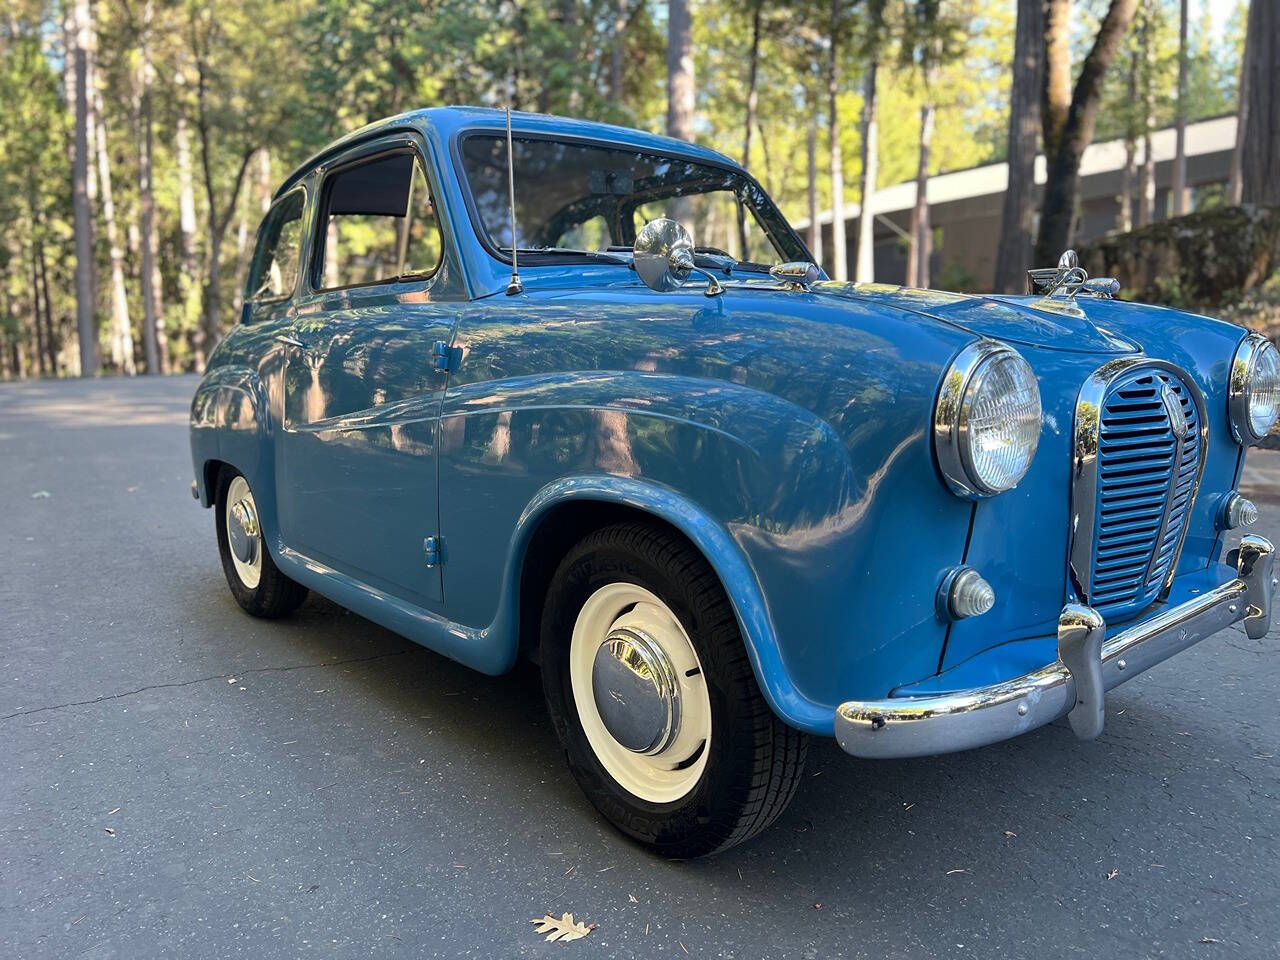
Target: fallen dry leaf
[(1009, 834), (632, 898), (1209, 940), (109, 830), (1111, 874), (563, 929)]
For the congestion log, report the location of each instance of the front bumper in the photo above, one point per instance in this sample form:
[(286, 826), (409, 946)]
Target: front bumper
[(1088, 665)]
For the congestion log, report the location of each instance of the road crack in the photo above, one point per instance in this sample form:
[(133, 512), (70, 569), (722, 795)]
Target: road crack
[(216, 676)]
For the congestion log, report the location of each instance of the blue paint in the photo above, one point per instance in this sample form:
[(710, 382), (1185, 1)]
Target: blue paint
[(788, 435)]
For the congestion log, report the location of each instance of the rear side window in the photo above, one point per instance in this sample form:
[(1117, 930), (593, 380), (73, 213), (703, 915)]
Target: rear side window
[(380, 224), (274, 272)]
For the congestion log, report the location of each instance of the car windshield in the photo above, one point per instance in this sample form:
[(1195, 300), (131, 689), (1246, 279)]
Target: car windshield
[(575, 199)]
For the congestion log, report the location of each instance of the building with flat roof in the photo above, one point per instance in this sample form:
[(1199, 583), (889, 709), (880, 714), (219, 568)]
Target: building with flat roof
[(965, 206)]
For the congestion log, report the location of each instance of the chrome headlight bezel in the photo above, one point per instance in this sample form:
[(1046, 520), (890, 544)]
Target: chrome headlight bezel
[(1240, 385), (952, 435)]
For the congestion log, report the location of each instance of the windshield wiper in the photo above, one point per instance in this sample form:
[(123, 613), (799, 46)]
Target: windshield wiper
[(597, 255)]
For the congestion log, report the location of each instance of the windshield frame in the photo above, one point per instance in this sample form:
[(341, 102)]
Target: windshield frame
[(532, 259)]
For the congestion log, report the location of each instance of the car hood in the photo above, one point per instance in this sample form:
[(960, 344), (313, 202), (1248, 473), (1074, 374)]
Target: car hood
[(1056, 325), (1073, 326)]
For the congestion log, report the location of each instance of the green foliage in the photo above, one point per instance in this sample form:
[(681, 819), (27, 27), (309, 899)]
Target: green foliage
[(244, 79)]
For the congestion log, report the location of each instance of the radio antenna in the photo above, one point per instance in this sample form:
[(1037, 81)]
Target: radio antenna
[(515, 286)]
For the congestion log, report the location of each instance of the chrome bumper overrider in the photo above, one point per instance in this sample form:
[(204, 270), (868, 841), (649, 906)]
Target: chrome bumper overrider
[(1088, 665)]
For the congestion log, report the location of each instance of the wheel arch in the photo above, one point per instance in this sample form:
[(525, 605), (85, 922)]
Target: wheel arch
[(568, 509)]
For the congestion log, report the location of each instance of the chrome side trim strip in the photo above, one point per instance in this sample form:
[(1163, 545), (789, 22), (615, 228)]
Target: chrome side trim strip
[(924, 726), (1084, 467)]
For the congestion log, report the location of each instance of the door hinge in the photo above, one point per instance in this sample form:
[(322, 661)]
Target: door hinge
[(442, 354), (433, 551)]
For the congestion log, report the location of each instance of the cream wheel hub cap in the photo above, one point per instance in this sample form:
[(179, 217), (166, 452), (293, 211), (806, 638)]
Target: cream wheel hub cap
[(244, 534), (640, 692)]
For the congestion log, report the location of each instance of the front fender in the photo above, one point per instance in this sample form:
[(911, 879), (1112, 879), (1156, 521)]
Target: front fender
[(721, 551)]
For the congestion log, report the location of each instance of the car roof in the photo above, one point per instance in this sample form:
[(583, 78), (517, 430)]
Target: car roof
[(449, 121)]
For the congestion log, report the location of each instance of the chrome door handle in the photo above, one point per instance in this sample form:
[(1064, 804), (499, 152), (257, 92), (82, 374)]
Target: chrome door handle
[(290, 340)]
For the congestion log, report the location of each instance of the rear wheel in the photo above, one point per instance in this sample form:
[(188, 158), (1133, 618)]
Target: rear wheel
[(255, 581), (654, 701)]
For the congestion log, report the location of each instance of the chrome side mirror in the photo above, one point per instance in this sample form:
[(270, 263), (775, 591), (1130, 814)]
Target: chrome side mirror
[(663, 257)]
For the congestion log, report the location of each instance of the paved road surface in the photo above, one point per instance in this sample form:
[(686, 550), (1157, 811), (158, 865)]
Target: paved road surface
[(178, 780)]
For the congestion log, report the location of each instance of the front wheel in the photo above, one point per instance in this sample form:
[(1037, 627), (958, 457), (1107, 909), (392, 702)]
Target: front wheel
[(255, 581), (654, 701)]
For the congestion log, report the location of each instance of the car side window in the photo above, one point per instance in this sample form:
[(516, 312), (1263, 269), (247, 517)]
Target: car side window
[(380, 223), (273, 274)]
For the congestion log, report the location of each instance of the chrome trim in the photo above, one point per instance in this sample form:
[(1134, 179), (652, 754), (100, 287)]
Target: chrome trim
[(1084, 467), (1104, 288), (1238, 383), (1071, 279), (924, 726), (636, 691), (950, 427), (1081, 631), (795, 275), (243, 534)]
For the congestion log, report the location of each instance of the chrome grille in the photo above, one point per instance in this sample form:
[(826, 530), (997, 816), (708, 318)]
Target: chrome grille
[(1146, 482)]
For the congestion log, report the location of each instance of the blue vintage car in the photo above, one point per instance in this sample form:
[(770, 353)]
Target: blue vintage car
[(488, 392)]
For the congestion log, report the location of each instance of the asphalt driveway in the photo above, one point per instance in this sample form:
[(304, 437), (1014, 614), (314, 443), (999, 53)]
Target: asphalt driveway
[(179, 780)]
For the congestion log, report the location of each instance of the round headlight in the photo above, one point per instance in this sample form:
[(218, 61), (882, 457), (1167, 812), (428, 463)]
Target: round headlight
[(1254, 390), (987, 421)]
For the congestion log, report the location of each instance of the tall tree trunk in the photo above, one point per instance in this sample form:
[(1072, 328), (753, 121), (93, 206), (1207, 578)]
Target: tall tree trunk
[(155, 344), (753, 99), (1147, 178), (86, 319), (41, 350), (865, 271), (815, 228), (1234, 185), (920, 246), (839, 254), (189, 279), (1147, 175), (52, 337), (218, 223), (680, 83), (1180, 197), (749, 121), (1013, 256), (1068, 127), (1124, 222), (1260, 159), (121, 330), (680, 86), (618, 52)]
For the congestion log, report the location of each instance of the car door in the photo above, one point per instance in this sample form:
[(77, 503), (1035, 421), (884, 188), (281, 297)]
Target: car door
[(365, 376)]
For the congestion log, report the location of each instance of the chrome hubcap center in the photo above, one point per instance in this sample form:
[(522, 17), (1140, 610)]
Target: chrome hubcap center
[(636, 691), (243, 531)]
